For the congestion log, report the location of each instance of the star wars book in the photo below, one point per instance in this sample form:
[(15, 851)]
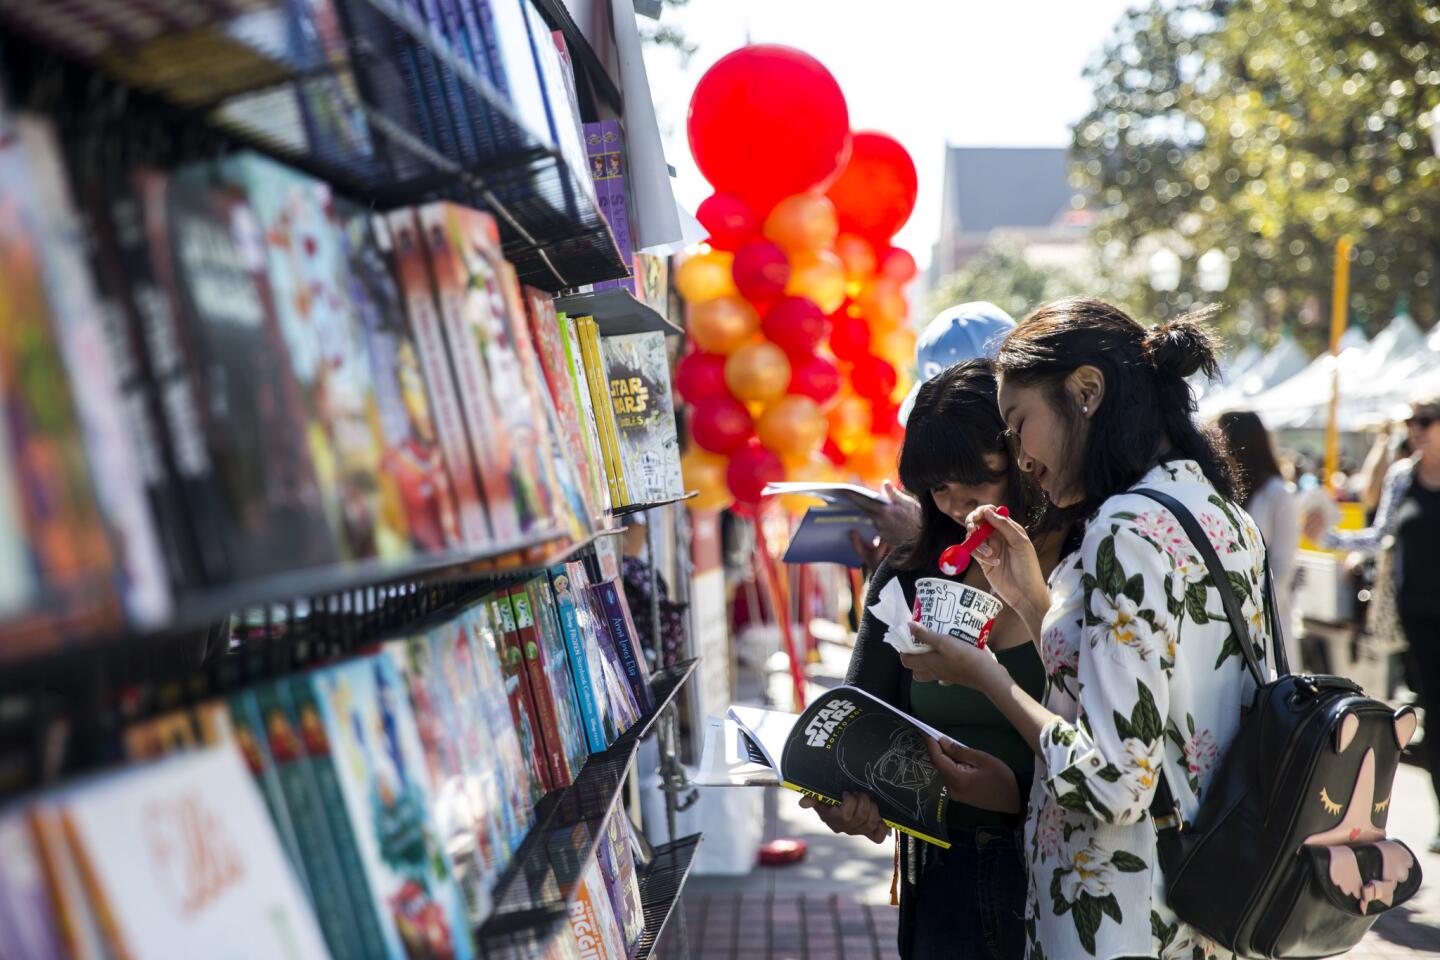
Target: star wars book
[(845, 742), (639, 377)]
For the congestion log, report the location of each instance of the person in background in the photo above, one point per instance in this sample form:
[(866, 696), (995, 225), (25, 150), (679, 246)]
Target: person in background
[(967, 901), (968, 331), (635, 576), (1270, 500), (1407, 520)]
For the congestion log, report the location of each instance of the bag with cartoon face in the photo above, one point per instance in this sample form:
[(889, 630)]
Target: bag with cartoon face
[(1288, 856)]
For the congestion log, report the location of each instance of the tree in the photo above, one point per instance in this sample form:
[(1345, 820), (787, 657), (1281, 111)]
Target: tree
[(1000, 274)]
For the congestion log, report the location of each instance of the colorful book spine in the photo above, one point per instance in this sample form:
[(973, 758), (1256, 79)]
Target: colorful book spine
[(546, 717), (249, 733), (589, 333), (522, 710), (425, 325), (558, 676), (512, 769), (26, 906), (610, 152), (617, 867), (590, 694), (546, 335), (622, 630), (594, 457), (592, 919), (325, 877), (440, 126), (459, 98)]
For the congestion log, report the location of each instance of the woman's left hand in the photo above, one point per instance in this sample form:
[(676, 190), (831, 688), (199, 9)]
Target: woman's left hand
[(951, 660), (975, 778)]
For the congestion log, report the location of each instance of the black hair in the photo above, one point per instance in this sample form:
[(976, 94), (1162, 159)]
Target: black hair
[(1251, 450), (1148, 412), (954, 423)]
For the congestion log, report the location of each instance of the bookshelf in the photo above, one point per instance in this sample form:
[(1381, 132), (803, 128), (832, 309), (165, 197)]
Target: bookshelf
[(630, 508), (617, 311), (660, 887)]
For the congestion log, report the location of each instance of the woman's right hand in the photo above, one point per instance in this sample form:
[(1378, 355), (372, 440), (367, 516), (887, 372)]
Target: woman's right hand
[(1011, 565), (857, 815)]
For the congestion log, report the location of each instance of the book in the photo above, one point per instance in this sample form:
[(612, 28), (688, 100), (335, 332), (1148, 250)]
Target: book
[(402, 241), (846, 740), (594, 457), (583, 654), (86, 931), (548, 339), (599, 383), (625, 708), (823, 536), (605, 149), (468, 315), (558, 677), (78, 327), (512, 66), (378, 761), (255, 480), (593, 925), (319, 857), (414, 482), (329, 99), (249, 731), (610, 597), (542, 697), (639, 378), (574, 144), (835, 494), (180, 856), (310, 288), (617, 869), (517, 693), (26, 909)]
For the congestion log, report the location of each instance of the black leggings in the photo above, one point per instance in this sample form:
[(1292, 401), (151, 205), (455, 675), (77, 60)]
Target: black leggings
[(1422, 633)]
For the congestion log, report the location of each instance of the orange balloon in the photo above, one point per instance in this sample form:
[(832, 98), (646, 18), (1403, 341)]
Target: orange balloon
[(849, 423), (704, 472), (723, 325), (896, 346), (706, 276), (877, 461), (813, 469), (882, 303), (802, 222), (857, 255), (820, 276), (793, 428), (758, 373)]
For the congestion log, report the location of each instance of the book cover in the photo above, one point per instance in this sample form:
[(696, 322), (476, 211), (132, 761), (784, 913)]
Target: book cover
[(183, 857), (584, 658), (310, 288), (512, 64), (625, 707), (26, 909), (319, 856), (824, 536), (599, 383), (617, 868), (513, 771), (605, 143), (547, 337), (84, 927), (611, 597), (560, 121), (559, 676), (379, 763), (467, 313), (547, 711), (594, 138), (592, 919), (639, 371), (575, 148), (406, 248), (517, 690), (389, 82), (79, 330), (329, 99), (414, 484), (594, 455), (209, 257), (460, 107), (249, 732)]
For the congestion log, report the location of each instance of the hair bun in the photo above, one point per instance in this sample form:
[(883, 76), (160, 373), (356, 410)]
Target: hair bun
[(1184, 346)]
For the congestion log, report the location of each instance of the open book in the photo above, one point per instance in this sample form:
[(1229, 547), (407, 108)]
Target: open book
[(847, 741), (837, 493)]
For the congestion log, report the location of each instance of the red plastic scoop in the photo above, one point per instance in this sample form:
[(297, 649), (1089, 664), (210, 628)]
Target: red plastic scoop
[(956, 558)]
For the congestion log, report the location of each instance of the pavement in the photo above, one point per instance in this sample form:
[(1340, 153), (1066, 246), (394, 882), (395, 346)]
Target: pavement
[(835, 904)]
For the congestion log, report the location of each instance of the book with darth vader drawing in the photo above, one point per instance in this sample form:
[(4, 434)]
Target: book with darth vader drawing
[(846, 741)]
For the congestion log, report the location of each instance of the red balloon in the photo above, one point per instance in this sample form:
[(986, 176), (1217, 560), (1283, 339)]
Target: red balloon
[(761, 271), (849, 336), (884, 418), (730, 221), (699, 376), (795, 325), (833, 453), (751, 467), (873, 378), (875, 194), (816, 378), (898, 265), (767, 121), (721, 424)]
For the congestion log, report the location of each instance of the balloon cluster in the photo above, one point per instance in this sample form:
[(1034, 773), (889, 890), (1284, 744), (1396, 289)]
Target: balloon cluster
[(799, 349)]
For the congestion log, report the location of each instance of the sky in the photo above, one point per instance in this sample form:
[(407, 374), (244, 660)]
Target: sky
[(927, 72)]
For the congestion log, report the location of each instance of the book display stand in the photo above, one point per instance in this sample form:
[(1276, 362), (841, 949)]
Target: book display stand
[(386, 104)]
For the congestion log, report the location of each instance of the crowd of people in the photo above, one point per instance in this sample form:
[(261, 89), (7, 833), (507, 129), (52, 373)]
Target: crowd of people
[(1072, 419)]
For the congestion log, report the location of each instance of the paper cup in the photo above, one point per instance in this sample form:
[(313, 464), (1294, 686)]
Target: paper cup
[(955, 608)]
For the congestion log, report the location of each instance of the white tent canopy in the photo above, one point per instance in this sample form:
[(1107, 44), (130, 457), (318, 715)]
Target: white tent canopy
[(1394, 371), (1282, 362), (1303, 401)]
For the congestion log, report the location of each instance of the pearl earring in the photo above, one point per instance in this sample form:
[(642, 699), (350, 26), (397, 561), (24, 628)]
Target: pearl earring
[(1084, 408)]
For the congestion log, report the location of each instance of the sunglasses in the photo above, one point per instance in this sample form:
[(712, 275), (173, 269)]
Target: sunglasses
[(1422, 421)]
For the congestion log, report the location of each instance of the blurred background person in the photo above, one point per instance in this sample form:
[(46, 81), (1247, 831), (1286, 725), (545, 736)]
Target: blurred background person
[(1407, 521), (1270, 500)]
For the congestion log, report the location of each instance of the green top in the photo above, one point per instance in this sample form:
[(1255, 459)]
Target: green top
[(969, 717)]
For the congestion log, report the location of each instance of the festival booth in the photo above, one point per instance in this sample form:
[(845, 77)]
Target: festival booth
[(1251, 374)]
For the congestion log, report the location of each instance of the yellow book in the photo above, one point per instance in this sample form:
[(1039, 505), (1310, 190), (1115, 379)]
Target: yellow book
[(604, 413)]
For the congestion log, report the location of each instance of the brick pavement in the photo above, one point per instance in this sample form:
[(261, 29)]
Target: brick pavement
[(789, 926)]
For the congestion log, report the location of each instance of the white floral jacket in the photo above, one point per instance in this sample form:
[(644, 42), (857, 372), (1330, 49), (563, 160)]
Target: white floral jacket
[(1144, 673)]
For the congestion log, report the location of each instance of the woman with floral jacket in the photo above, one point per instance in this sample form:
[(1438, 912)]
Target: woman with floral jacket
[(1145, 675)]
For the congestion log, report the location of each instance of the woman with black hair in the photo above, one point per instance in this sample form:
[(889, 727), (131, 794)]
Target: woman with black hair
[(1146, 679), (967, 901)]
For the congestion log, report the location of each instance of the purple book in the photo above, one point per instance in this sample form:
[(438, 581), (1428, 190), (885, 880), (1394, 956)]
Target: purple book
[(611, 600), (605, 148)]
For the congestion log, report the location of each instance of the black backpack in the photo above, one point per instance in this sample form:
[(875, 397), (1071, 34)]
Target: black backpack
[(1281, 860)]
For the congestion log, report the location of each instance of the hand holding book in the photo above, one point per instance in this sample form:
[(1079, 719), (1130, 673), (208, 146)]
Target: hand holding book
[(857, 815), (974, 777)]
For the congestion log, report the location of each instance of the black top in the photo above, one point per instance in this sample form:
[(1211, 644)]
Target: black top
[(1417, 547)]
